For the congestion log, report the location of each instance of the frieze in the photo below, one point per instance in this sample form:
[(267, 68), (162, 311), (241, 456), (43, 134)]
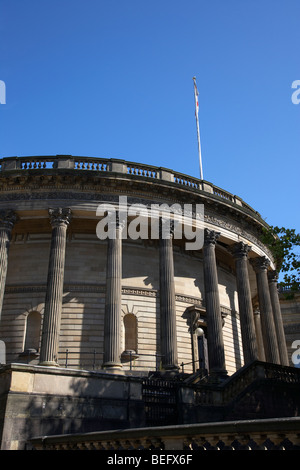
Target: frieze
[(218, 216), (77, 182), (238, 230), (114, 198)]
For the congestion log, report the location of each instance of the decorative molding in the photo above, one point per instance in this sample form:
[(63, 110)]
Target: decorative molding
[(100, 289), (139, 292), (237, 228), (189, 300)]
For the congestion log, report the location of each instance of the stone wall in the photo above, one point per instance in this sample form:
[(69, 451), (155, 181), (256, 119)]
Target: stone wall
[(82, 322), (290, 308), (37, 401)]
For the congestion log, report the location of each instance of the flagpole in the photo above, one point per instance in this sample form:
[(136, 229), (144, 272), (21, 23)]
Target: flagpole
[(197, 124)]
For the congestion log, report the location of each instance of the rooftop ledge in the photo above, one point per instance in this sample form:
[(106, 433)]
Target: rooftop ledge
[(116, 166)]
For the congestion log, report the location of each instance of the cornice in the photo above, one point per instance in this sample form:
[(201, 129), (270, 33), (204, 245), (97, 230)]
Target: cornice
[(84, 181)]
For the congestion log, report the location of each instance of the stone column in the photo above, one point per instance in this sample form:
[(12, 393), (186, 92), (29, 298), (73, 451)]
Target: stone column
[(112, 319), (59, 219), (259, 337), (167, 302), (273, 278), (240, 253), (260, 266), (7, 221), (216, 352)]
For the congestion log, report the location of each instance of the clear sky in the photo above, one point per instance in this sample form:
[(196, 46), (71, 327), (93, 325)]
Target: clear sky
[(113, 78)]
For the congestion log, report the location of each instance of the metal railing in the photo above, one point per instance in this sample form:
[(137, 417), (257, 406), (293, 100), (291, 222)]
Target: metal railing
[(93, 360)]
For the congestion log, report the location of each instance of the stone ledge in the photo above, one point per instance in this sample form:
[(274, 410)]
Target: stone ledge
[(61, 371), (281, 427)]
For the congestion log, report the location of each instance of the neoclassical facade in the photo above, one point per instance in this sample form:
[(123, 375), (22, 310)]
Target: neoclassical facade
[(70, 298)]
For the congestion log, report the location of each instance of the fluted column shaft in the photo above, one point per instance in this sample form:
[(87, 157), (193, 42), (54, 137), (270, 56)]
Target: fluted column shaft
[(259, 337), (59, 219), (260, 266), (240, 253), (273, 277), (112, 319), (7, 221), (216, 352), (167, 305)]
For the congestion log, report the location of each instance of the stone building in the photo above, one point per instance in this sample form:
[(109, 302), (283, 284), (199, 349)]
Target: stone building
[(73, 300)]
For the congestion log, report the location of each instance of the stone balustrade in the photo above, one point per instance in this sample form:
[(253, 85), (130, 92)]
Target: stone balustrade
[(265, 434), (131, 169), (224, 393)]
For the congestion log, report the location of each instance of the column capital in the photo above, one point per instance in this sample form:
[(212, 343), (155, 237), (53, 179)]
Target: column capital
[(273, 276), (60, 216), (260, 264), (239, 249), (166, 228), (8, 218), (120, 222), (210, 236)]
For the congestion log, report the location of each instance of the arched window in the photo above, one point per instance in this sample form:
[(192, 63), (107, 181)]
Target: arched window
[(130, 327), (33, 330)]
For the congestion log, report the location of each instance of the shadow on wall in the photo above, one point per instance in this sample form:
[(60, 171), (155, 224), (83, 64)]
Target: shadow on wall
[(235, 327), (91, 404)]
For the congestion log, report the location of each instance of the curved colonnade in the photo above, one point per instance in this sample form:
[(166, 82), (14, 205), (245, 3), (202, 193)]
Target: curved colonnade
[(146, 296)]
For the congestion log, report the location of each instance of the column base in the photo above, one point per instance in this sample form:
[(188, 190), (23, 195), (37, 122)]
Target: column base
[(113, 367), (49, 364), (170, 371)]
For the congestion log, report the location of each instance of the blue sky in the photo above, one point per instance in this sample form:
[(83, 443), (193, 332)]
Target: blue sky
[(113, 78)]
